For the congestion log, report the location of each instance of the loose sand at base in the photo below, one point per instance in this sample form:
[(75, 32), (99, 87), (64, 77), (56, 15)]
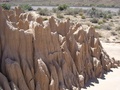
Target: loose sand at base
[(110, 80), (113, 49)]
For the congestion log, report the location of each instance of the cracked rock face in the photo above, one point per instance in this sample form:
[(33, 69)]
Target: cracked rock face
[(39, 55)]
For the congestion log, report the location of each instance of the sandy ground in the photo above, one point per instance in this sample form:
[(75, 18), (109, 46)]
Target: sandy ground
[(110, 80), (113, 49)]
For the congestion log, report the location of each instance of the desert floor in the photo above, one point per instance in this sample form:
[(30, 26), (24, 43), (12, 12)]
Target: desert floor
[(110, 80)]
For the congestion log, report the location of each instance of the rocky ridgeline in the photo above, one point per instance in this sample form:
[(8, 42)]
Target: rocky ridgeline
[(40, 55)]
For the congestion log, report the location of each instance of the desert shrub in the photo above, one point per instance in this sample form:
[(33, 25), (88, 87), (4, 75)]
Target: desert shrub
[(67, 18), (118, 28), (105, 16), (100, 34), (69, 11), (6, 6), (60, 15), (112, 6), (91, 5), (45, 19), (62, 7), (101, 5), (26, 7), (77, 11), (72, 11), (109, 16), (94, 20), (119, 11), (83, 17), (54, 10), (106, 26), (44, 12), (97, 27), (111, 20), (100, 22), (113, 33), (93, 12), (104, 20), (81, 14)]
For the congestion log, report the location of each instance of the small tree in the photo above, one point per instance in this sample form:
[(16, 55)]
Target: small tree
[(26, 7), (44, 12), (6, 6), (63, 7)]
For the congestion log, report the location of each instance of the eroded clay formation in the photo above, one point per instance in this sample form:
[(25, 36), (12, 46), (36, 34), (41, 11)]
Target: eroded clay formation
[(48, 55)]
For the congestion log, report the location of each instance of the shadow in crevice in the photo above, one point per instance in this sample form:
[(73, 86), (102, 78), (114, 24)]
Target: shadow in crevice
[(105, 73), (93, 81)]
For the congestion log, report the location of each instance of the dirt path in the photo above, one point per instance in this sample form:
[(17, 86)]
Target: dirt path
[(110, 80)]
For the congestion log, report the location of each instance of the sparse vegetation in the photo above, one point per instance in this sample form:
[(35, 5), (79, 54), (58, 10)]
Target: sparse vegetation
[(119, 11), (83, 17), (60, 16), (100, 22), (104, 20), (72, 11), (94, 20), (62, 7), (69, 11), (54, 10), (101, 5), (6, 6), (109, 16), (118, 28), (26, 7), (93, 12), (44, 12), (45, 19), (106, 27), (97, 27)]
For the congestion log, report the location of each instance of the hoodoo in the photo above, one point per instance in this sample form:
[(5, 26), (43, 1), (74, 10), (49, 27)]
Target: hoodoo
[(48, 55)]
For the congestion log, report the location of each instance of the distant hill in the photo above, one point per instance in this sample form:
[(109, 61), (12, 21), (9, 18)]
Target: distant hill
[(69, 2)]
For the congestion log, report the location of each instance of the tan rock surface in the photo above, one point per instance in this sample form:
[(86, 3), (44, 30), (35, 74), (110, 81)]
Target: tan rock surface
[(38, 55)]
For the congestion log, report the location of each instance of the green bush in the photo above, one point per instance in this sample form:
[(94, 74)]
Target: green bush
[(26, 7), (62, 7), (105, 16), (104, 20), (94, 20), (100, 22), (60, 16), (101, 5), (118, 28), (97, 27), (93, 12), (106, 26), (6, 6), (69, 11), (92, 5), (81, 14), (119, 12), (44, 12), (83, 17), (109, 16), (45, 19), (54, 10), (77, 11), (72, 11)]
